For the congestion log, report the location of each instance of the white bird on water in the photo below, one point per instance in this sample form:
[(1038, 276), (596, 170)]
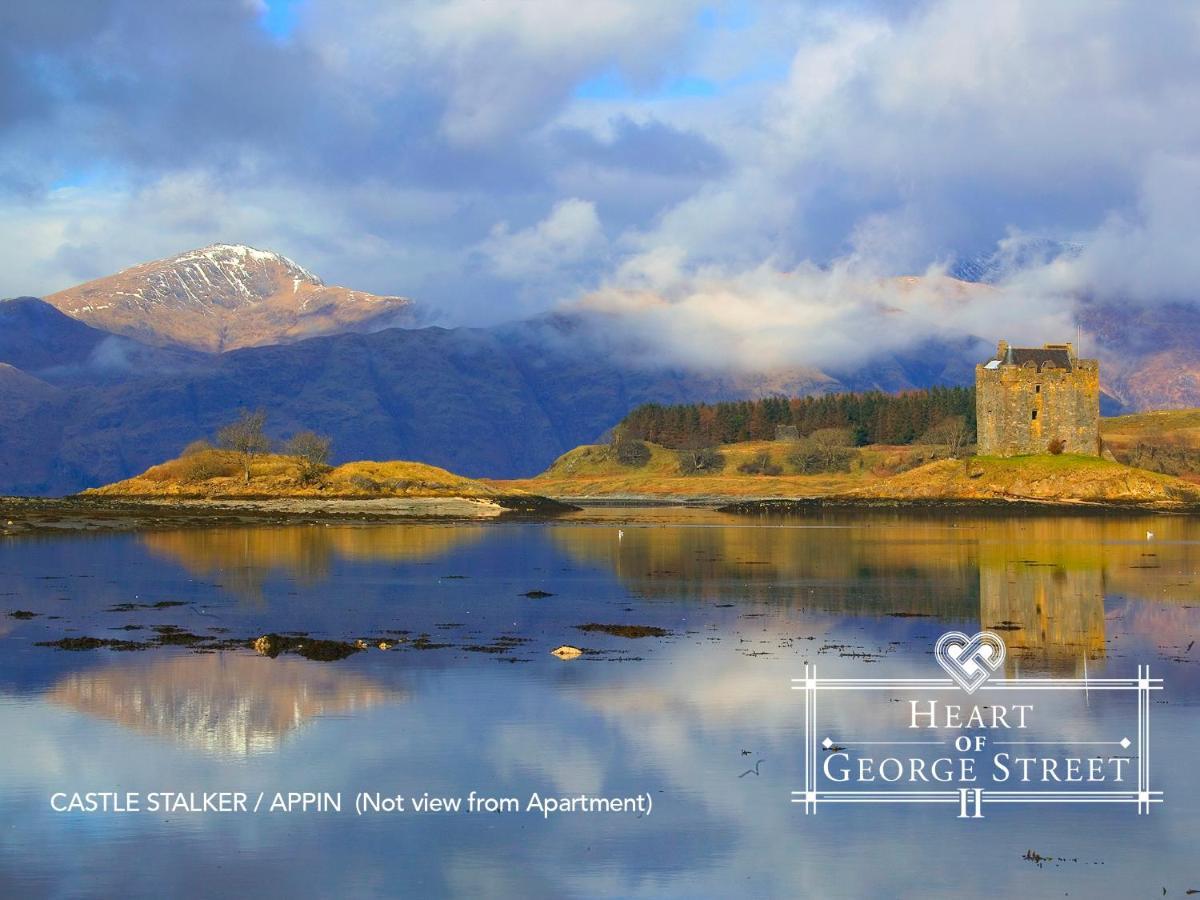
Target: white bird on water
[(1149, 535), (620, 535)]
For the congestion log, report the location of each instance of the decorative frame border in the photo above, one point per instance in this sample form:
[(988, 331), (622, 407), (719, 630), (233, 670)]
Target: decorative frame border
[(973, 798)]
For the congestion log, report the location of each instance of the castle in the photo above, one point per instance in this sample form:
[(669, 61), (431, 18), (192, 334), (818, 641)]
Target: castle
[(1027, 398)]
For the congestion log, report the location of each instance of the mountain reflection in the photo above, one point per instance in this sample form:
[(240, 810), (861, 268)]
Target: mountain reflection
[(243, 558), (226, 704)]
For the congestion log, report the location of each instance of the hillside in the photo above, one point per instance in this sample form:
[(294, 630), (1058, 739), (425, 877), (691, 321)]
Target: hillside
[(1162, 427), (879, 472), (210, 474), (35, 405), (1057, 479), (498, 402), (1163, 440), (504, 401), (594, 472), (223, 297)]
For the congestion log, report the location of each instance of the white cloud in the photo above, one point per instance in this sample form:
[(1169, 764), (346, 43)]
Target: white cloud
[(889, 140), (836, 317), (569, 235), (1147, 255), (499, 66)]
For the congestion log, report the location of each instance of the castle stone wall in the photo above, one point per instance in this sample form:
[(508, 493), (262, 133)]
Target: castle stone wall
[(1023, 408)]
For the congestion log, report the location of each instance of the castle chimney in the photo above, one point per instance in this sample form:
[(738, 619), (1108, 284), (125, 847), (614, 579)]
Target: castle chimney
[(1001, 349)]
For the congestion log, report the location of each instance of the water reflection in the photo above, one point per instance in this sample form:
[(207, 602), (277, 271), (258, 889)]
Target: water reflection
[(928, 568), (682, 717), (245, 557), (228, 704), (1041, 581)]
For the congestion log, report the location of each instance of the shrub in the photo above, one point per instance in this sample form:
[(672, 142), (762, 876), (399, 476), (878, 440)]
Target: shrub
[(701, 461), (195, 447), (201, 465), (897, 462), (311, 451), (365, 484), (787, 433), (817, 456), (1057, 446), (760, 464), (634, 453)]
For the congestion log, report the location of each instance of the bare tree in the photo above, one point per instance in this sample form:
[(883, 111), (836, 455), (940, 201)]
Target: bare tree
[(831, 445), (825, 450), (698, 460), (951, 433), (311, 450), (246, 438)]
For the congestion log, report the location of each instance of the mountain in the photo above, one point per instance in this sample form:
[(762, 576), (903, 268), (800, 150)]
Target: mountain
[(32, 414), (475, 401), (82, 406), (1149, 353), (36, 337), (499, 402), (1013, 256), (224, 297)]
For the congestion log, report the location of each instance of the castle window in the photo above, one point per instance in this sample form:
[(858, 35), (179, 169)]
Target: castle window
[(1037, 388), (1034, 417)]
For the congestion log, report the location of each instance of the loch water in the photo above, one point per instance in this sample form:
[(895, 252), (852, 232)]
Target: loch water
[(701, 719)]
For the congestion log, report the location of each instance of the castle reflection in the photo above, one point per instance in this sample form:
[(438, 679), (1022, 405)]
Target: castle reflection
[(1040, 582), (225, 704), (1042, 589)]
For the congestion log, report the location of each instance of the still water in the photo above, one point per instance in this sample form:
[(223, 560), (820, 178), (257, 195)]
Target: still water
[(702, 720)]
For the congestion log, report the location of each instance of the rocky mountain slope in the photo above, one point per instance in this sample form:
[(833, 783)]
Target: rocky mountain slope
[(223, 297), (1149, 354)]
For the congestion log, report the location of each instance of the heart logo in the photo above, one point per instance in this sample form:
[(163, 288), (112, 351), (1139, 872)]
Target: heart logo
[(969, 660)]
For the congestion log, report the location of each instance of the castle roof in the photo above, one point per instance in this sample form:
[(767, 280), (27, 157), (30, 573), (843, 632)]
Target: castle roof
[(1059, 356), (1039, 356)]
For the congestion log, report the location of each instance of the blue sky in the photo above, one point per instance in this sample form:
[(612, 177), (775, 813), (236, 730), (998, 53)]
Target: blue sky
[(495, 159), (280, 17)]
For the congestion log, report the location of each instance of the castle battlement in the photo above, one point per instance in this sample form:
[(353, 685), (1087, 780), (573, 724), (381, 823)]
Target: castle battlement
[(1028, 397)]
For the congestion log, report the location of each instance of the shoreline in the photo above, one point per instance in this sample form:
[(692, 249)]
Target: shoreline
[(1016, 505), (26, 515), (90, 514)]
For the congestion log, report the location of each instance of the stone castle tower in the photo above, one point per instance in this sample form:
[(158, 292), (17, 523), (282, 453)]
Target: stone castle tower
[(1026, 398)]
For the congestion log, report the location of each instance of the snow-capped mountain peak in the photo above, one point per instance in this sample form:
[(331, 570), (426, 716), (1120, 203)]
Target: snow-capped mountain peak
[(225, 296)]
